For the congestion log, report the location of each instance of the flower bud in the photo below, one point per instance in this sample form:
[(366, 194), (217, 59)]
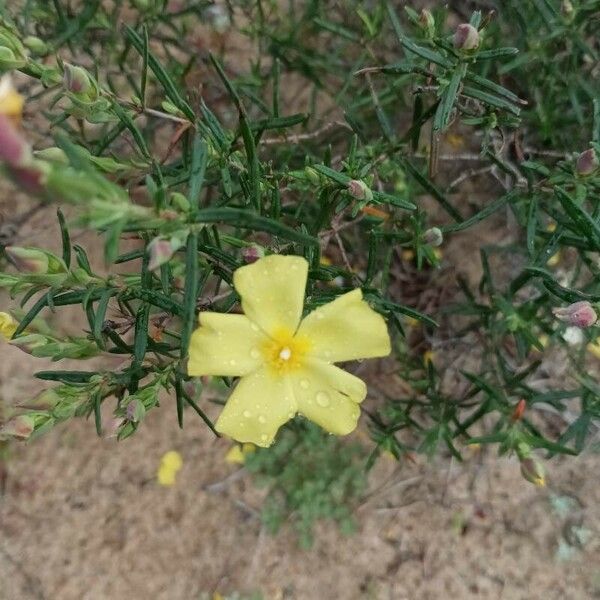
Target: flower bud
[(161, 251), (533, 471), (466, 37), (252, 253), (35, 44), (18, 427), (433, 236), (9, 60), (359, 190), (587, 163), (8, 326), (312, 175), (32, 178), (14, 150), (53, 154), (579, 314), (135, 411), (427, 21), (179, 201), (76, 79), (566, 7)]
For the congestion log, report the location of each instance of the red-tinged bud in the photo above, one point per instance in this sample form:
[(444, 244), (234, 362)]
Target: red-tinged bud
[(29, 260), (18, 427), (427, 21), (161, 251), (76, 79), (587, 163), (359, 190), (518, 411), (434, 237), (31, 178), (533, 471), (252, 253), (466, 37), (14, 150), (579, 314)]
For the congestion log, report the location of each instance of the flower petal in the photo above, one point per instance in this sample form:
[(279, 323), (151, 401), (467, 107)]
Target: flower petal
[(260, 404), (329, 396), (225, 345), (346, 329), (272, 291)]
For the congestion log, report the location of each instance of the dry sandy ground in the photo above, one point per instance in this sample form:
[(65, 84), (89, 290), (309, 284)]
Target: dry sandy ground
[(83, 518)]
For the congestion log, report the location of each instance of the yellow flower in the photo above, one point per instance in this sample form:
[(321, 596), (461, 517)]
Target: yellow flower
[(8, 326), (237, 453), (11, 102), (170, 465), (594, 348), (285, 363)]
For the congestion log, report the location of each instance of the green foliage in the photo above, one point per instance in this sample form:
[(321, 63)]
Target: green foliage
[(310, 476), (376, 96)]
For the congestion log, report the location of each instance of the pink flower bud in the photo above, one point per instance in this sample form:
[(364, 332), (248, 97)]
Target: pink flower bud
[(76, 79), (161, 252), (31, 178), (14, 150), (466, 37), (533, 471), (587, 162), (29, 260), (579, 314), (359, 190), (18, 427), (252, 253)]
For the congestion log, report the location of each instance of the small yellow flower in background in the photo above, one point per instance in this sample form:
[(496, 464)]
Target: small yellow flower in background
[(286, 362), (428, 357), (170, 465), (594, 348), (554, 259), (412, 322), (238, 452), (407, 254), (8, 326), (11, 102)]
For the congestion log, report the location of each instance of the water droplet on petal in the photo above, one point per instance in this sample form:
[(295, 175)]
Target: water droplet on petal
[(304, 384), (290, 415), (264, 437), (247, 414), (262, 419), (320, 316), (254, 353), (232, 362), (254, 327), (322, 399)]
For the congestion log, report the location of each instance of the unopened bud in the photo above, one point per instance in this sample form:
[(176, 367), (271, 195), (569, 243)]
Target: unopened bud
[(518, 411), (8, 326), (35, 44), (587, 162), (533, 471), (9, 60), (252, 253), (466, 37), (14, 150), (18, 427), (29, 260), (433, 236), (53, 154), (579, 314), (427, 21), (161, 251), (566, 7), (312, 175), (135, 411), (179, 201), (76, 79), (360, 190), (31, 178)]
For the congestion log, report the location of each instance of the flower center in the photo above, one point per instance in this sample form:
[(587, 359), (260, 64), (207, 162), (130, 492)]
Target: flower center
[(283, 352)]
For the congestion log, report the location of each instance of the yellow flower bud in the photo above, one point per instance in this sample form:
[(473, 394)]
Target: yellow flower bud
[(8, 326)]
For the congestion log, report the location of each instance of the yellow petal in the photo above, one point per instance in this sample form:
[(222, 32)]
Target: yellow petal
[(166, 476), (225, 345), (8, 325), (272, 291), (328, 396), (260, 404), (234, 455), (171, 460), (346, 329)]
